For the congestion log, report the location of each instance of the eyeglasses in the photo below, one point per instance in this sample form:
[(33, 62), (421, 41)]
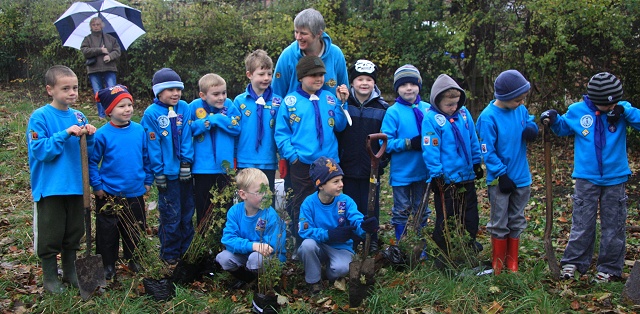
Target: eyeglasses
[(258, 194)]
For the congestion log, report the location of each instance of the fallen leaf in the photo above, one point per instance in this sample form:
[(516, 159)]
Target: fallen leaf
[(495, 308), (575, 305), (234, 298), (562, 219)]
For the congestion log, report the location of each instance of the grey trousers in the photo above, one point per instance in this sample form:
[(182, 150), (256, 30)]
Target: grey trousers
[(314, 254), (507, 212), (613, 217), (232, 261)]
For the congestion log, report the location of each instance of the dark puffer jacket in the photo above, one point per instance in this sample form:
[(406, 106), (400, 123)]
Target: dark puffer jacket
[(352, 149)]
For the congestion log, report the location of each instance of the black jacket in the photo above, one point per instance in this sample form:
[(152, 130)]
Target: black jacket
[(352, 149)]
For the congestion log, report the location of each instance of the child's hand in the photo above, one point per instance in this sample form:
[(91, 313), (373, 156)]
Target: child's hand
[(147, 188), (342, 92), (99, 194), (76, 130), (263, 248), (104, 50), (90, 129)]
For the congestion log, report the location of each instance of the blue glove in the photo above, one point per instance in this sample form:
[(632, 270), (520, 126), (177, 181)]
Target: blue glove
[(505, 184), (550, 115), (341, 234), (370, 225), (161, 183), (185, 171), (614, 115), (477, 169), (529, 134)]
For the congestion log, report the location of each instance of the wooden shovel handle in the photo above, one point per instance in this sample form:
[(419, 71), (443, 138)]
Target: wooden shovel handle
[(383, 146)]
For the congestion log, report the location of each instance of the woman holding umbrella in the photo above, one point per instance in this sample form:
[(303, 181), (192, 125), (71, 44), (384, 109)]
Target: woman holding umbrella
[(101, 51)]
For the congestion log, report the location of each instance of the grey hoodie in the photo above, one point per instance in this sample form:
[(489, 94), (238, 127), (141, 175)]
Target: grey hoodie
[(443, 83)]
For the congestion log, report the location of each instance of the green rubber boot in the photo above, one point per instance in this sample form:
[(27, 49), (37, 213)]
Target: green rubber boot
[(69, 267), (50, 279)]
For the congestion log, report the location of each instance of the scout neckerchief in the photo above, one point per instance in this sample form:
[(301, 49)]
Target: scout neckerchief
[(173, 118), (211, 110), (261, 101), (416, 111), (599, 138), (316, 109), (460, 146)]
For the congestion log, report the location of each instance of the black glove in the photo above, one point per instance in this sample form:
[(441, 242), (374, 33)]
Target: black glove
[(370, 225), (551, 115), (477, 169), (505, 184), (185, 171), (614, 115), (341, 234), (161, 183), (529, 134), (416, 143)]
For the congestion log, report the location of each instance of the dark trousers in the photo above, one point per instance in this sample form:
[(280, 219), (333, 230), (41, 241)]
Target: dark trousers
[(58, 224), (119, 218), (302, 187), (461, 205), (203, 183)]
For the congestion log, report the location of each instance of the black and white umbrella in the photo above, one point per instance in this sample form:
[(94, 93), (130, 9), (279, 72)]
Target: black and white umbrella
[(120, 21)]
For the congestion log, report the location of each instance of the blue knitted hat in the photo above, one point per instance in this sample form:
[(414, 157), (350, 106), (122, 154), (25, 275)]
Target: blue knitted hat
[(166, 78), (509, 85), (323, 169), (406, 74)]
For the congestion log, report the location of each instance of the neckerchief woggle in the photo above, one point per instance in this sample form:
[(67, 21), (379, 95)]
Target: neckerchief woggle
[(416, 111), (261, 101), (599, 138), (173, 118), (316, 109)]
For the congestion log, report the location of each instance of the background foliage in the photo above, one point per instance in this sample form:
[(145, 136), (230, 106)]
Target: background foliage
[(558, 45)]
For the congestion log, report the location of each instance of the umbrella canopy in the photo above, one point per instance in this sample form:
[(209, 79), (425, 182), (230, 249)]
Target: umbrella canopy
[(120, 21)]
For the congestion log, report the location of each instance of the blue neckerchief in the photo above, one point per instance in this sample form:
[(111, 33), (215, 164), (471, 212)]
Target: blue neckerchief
[(456, 132), (173, 119), (266, 97), (599, 138), (416, 111), (211, 110), (316, 110)]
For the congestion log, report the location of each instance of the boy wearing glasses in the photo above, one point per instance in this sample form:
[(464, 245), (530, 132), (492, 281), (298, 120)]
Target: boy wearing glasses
[(252, 231)]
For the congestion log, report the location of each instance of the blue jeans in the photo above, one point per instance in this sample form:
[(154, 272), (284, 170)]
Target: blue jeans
[(100, 80), (176, 213), (613, 218), (406, 201)]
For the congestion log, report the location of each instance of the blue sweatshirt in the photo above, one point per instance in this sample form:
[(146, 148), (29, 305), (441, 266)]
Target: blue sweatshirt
[(399, 124), (159, 139), (439, 150), (296, 134), (580, 122), (54, 155), (285, 79), (224, 126), (503, 149), (316, 219), (124, 161), (241, 231), (264, 157)]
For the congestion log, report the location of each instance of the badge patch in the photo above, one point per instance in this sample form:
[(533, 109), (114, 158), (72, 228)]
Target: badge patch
[(331, 113), (586, 121), (152, 136), (81, 119), (427, 140), (261, 224), (201, 113), (612, 128), (342, 207), (276, 101), (165, 133), (440, 119), (34, 135), (163, 121), (332, 83), (242, 106), (483, 148), (272, 112), (434, 141), (247, 113), (290, 100), (332, 122), (331, 100), (272, 123), (585, 132), (278, 75)]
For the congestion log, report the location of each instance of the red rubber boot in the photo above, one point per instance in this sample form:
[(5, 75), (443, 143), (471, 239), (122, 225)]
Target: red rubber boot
[(512, 254), (499, 254)]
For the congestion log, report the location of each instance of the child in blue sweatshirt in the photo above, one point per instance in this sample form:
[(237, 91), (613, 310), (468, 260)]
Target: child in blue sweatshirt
[(402, 124), (599, 125), (258, 106), (120, 181), (214, 122), (53, 141), (504, 128), (451, 151), (328, 221), (171, 154), (306, 128), (251, 232)]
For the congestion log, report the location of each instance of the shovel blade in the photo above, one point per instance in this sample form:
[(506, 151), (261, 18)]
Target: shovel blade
[(90, 275), (361, 281)]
